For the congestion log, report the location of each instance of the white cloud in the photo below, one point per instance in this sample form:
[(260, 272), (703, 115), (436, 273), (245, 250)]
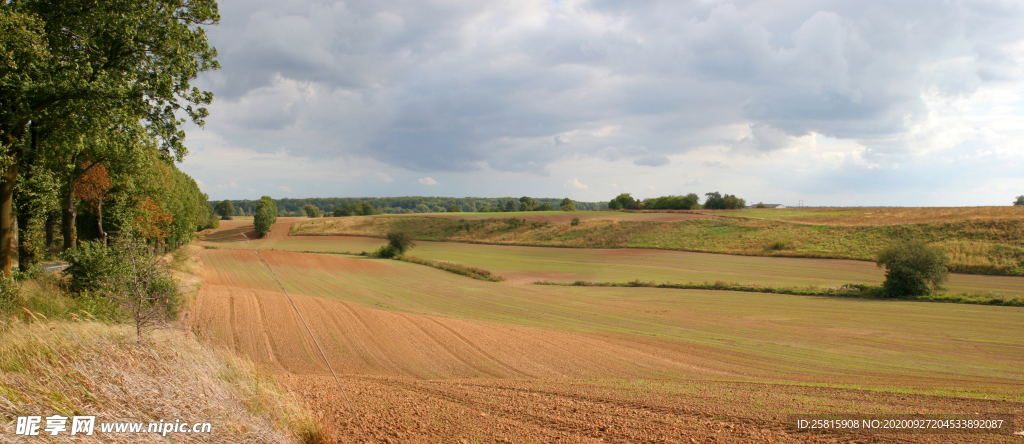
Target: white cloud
[(574, 184), (427, 181), (383, 177), (284, 189)]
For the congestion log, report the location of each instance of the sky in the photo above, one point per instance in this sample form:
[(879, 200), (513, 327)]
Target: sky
[(833, 103)]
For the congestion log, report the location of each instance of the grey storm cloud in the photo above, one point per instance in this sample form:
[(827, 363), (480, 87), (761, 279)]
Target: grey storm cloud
[(419, 84)]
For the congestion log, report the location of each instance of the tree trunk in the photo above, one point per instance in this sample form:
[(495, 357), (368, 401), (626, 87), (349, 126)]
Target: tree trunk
[(26, 249), (6, 223), (99, 219), (50, 228), (69, 217)]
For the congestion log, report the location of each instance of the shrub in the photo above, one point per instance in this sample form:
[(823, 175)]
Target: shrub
[(386, 252), (567, 205), (912, 269), (575, 221), (514, 223), (400, 241), (87, 266), (546, 206), (10, 293)]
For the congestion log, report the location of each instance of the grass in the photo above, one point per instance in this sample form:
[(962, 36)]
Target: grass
[(847, 291), (91, 368), (768, 337), (473, 272), (529, 264), (975, 243), (71, 355)]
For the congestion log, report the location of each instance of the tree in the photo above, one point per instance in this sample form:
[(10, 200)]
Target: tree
[(526, 203), (760, 205), (265, 215), (614, 205), (136, 58), (624, 202), (344, 210), (1019, 202), (687, 202), (366, 209), (546, 206), (93, 187), (715, 201), (312, 211), (454, 209), (511, 206), (912, 269), (225, 209), (567, 205)]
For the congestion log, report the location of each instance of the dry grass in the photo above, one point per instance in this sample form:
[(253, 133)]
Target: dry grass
[(464, 270), (879, 216), (90, 368)]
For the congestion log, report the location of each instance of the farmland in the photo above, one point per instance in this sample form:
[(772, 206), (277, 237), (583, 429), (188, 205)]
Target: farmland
[(426, 356), (520, 264), (978, 242)]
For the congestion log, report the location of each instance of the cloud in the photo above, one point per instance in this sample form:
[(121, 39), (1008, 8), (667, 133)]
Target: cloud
[(383, 177), (284, 189), (653, 160), (520, 87), (574, 184), (427, 181)]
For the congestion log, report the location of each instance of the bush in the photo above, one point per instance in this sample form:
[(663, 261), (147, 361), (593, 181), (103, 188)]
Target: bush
[(546, 206), (10, 294), (400, 241), (386, 252), (87, 266), (575, 221), (912, 269)]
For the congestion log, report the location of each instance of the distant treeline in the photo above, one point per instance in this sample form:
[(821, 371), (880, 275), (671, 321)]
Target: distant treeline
[(410, 204)]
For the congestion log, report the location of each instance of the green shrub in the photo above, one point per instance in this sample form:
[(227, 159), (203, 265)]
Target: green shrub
[(575, 221), (10, 293), (386, 252), (912, 268), (87, 266), (265, 215), (400, 241)]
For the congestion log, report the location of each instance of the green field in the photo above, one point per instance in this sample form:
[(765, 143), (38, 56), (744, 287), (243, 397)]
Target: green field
[(890, 345), (531, 264)]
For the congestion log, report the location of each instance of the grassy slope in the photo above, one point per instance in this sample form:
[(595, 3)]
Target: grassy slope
[(56, 358), (769, 337), (982, 246)]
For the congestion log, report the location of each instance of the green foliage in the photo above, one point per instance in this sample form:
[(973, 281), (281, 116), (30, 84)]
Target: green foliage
[(526, 203), (715, 201), (10, 294), (386, 252), (401, 241), (514, 223), (760, 205), (546, 206), (1019, 202), (344, 210), (411, 204), (688, 202), (624, 202), (225, 209), (912, 268), (454, 209), (575, 221), (511, 206), (87, 266), (312, 211), (265, 215), (567, 205), (365, 209)]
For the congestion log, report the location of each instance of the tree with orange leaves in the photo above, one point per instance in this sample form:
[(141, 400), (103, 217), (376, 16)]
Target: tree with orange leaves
[(92, 187)]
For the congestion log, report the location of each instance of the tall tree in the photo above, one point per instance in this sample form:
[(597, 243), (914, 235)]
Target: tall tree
[(134, 56), (265, 216), (225, 209)]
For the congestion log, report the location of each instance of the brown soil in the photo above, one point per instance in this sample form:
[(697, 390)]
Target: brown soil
[(418, 378)]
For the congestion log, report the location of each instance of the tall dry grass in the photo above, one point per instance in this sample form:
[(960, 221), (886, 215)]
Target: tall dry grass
[(92, 368)]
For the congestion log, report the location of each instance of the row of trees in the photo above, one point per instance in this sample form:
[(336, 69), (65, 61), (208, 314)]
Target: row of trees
[(413, 204), (713, 201), (91, 99)]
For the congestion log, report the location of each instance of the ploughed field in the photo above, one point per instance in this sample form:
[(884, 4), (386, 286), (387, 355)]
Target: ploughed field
[(423, 355)]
